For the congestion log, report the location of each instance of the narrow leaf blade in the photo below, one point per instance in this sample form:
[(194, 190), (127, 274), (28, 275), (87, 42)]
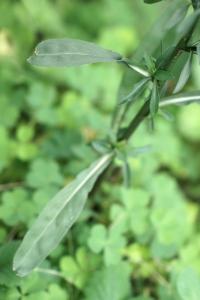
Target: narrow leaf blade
[(57, 218), (183, 98), (155, 99), (185, 75), (136, 91), (70, 52)]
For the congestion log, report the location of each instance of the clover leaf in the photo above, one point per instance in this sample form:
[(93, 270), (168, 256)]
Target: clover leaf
[(110, 241)]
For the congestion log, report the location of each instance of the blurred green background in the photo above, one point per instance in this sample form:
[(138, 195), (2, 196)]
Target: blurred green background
[(142, 243)]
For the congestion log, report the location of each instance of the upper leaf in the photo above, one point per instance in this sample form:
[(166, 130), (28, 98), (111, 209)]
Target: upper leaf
[(70, 52), (57, 218)]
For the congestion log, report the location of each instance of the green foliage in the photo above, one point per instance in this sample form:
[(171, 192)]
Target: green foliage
[(188, 285), (102, 285), (16, 208), (77, 269), (43, 173), (140, 243), (110, 241)]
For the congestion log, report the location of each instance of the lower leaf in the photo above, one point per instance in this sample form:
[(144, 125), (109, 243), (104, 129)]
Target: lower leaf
[(57, 218)]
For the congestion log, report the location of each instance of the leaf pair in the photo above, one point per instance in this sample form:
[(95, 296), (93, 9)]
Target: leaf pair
[(57, 218), (70, 52)]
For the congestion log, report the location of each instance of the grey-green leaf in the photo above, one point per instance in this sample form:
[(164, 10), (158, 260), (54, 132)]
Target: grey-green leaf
[(70, 52), (57, 218), (185, 75), (183, 98), (136, 91), (155, 99)]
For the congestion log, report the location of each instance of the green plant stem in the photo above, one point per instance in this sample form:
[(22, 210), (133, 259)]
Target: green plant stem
[(144, 110), (140, 116)]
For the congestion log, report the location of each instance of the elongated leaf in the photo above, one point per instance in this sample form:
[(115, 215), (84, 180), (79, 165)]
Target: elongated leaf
[(155, 99), (185, 98), (185, 75), (57, 218), (137, 90), (69, 52)]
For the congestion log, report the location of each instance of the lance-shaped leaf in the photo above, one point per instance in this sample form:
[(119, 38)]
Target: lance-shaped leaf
[(70, 52), (183, 98), (185, 75), (155, 99), (57, 218), (136, 91)]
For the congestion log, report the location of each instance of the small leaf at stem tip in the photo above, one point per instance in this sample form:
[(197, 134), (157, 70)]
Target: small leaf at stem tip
[(150, 63), (155, 99), (136, 91), (163, 75), (181, 99), (57, 218), (185, 75), (70, 52)]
